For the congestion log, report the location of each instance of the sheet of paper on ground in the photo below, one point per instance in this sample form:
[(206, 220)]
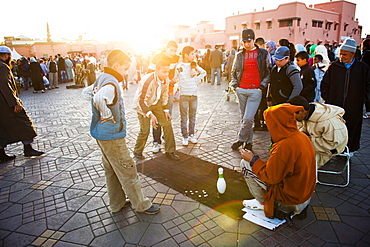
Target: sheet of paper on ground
[(258, 217)]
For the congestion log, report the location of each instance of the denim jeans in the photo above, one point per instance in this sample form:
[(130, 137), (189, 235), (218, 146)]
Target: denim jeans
[(188, 110), (218, 70), (249, 101), (63, 75), (26, 82)]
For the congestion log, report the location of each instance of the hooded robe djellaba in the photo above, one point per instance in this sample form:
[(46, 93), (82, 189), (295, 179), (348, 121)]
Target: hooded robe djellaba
[(290, 172)]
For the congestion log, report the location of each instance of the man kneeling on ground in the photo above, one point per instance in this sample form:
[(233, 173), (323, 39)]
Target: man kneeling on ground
[(324, 125), (285, 183)]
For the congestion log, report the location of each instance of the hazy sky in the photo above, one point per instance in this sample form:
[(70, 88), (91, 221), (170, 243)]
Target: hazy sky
[(141, 22)]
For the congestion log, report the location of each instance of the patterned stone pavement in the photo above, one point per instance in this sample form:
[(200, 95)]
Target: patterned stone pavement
[(60, 199)]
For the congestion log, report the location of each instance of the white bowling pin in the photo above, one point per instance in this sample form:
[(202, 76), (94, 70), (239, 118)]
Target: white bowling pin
[(221, 183)]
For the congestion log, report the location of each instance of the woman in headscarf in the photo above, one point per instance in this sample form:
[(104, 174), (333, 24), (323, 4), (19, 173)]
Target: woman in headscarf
[(312, 54), (36, 76), (321, 50), (300, 47), (271, 48)]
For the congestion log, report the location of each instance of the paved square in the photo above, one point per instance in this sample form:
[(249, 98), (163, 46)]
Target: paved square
[(60, 199)]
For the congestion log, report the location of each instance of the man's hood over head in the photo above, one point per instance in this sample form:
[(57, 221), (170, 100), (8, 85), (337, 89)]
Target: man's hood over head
[(280, 121)]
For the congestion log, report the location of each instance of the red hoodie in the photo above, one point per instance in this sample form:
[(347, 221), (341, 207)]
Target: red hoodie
[(290, 172)]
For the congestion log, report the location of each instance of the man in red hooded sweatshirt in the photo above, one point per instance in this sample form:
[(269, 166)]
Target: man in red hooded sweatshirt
[(283, 185)]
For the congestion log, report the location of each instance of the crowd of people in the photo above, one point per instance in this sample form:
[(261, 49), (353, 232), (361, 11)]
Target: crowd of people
[(310, 98), (47, 73)]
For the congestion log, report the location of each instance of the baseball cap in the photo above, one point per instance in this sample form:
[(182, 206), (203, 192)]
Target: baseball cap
[(281, 53), (248, 35), (5, 49)]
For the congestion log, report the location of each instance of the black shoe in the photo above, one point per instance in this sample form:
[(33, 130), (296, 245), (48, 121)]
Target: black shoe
[(236, 145), (7, 158), (303, 214), (29, 151), (248, 146), (173, 156), (139, 156), (152, 210), (33, 152)]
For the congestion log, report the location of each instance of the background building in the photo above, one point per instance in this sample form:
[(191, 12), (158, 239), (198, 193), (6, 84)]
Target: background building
[(43, 48), (200, 36), (329, 22)]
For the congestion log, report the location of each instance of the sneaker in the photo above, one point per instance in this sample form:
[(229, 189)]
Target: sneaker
[(152, 210), (156, 147), (139, 156), (173, 156), (185, 142), (248, 146), (236, 145), (192, 139)]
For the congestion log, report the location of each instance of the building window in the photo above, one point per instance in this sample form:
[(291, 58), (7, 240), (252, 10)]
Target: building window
[(186, 40), (258, 26), (286, 23), (298, 22), (328, 25), (345, 27), (180, 40), (234, 27), (336, 26), (317, 23), (269, 25)]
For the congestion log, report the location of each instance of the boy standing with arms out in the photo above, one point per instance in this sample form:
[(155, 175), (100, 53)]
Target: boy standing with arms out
[(307, 76), (151, 103), (285, 79), (169, 55), (108, 127), (189, 74)]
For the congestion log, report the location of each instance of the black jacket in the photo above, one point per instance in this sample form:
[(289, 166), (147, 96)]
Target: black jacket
[(285, 84), (309, 83), (349, 89), (264, 67)]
